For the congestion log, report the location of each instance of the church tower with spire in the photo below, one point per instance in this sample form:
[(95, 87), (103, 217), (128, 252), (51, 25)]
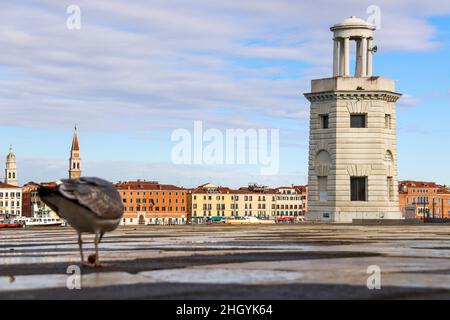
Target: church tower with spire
[(75, 160), (11, 168)]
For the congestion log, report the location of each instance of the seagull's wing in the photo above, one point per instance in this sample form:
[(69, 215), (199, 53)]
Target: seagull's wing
[(98, 195)]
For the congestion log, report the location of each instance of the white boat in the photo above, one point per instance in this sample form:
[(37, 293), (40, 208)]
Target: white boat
[(42, 218), (46, 221), (249, 220)]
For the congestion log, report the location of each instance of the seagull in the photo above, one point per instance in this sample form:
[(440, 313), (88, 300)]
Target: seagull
[(89, 205)]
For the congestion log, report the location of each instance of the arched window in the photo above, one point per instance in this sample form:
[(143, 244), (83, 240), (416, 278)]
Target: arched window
[(388, 157)]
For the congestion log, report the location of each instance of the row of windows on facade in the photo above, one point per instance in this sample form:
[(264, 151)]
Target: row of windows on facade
[(12, 195), (163, 193), (150, 200), (358, 188), (13, 212), (356, 121), (250, 198), (10, 204), (427, 211), (424, 200), (152, 208), (11, 175), (221, 206), (249, 213), (424, 190)]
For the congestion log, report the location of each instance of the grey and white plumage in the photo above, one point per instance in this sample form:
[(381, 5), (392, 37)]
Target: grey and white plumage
[(88, 204)]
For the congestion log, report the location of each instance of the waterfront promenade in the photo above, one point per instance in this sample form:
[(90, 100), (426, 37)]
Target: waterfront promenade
[(231, 262)]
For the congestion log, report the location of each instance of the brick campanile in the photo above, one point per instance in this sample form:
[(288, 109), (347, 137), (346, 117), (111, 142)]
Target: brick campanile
[(75, 159)]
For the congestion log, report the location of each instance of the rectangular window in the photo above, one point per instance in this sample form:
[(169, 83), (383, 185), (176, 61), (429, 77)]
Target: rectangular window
[(358, 121), (387, 121), (358, 186), (323, 188), (324, 121)]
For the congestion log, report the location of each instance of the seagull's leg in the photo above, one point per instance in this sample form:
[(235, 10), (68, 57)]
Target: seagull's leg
[(101, 236), (98, 237), (80, 246)]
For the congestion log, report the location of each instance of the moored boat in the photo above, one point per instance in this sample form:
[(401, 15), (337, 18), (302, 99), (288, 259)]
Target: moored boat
[(42, 222), (42, 218), (249, 220), (10, 224)]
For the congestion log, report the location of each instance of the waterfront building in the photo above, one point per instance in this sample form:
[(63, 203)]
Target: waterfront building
[(10, 201), (290, 201), (213, 202), (419, 199), (149, 202)]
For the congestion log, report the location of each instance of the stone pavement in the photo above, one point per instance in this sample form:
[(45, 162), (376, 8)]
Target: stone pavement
[(231, 262)]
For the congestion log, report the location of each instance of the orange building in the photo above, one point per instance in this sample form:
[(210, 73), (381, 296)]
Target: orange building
[(418, 199), (148, 202)]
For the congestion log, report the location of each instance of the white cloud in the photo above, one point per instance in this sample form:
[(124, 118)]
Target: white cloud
[(160, 65), (169, 61)]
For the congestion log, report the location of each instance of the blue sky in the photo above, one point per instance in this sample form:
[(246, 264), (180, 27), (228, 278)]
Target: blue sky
[(136, 72)]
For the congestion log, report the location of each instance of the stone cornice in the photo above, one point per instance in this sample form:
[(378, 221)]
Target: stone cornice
[(388, 96)]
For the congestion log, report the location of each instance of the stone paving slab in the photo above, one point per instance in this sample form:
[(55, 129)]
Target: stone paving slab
[(306, 261)]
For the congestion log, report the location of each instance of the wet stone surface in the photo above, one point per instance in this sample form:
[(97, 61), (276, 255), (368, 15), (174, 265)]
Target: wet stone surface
[(231, 262)]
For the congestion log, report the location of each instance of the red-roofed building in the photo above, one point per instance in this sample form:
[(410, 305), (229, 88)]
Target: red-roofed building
[(209, 201), (149, 202), (420, 198)]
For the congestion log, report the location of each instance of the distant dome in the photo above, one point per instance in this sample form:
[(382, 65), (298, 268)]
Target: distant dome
[(11, 156)]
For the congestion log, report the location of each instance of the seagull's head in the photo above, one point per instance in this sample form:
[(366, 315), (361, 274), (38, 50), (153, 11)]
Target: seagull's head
[(48, 195)]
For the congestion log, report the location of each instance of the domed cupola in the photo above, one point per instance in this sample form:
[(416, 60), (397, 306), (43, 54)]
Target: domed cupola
[(11, 156)]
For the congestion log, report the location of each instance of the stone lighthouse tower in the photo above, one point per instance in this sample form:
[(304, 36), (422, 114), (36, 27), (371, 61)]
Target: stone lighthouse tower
[(352, 144), (75, 159)]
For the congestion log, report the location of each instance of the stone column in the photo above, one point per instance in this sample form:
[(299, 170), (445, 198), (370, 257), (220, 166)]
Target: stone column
[(369, 57), (341, 57), (347, 57), (335, 58), (364, 57), (358, 59)]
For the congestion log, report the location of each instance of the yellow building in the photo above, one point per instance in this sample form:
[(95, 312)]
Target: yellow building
[(213, 202)]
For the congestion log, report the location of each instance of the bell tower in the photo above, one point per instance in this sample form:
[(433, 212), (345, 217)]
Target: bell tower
[(75, 160), (11, 168), (352, 143)]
